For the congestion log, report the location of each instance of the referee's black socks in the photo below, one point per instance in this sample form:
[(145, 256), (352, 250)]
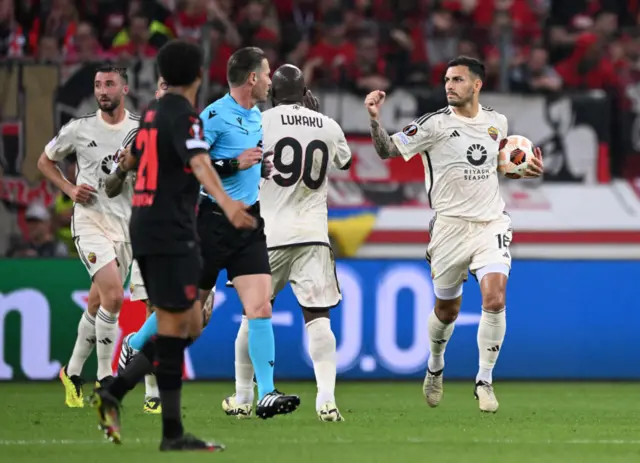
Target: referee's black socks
[(169, 362)]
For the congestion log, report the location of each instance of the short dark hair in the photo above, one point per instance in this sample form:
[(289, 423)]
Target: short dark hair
[(122, 72), (242, 63), (180, 63), (475, 66)]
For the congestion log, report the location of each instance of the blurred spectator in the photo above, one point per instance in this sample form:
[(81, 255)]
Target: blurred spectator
[(12, 37), (569, 19), (435, 42), (40, 242), (588, 67), (368, 71), (606, 25), (49, 50), (60, 21), (138, 45), (535, 75), (187, 22), (86, 46), (157, 33), (220, 12), (252, 24), (299, 53), (332, 51), (220, 54)]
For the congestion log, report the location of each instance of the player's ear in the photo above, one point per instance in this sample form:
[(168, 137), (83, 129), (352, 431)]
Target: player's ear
[(478, 85), (125, 89)]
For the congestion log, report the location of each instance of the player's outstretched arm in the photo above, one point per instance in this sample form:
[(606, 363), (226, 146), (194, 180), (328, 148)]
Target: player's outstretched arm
[(385, 147)]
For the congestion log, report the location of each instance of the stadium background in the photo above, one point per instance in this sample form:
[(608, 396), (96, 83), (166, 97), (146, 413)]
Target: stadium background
[(564, 72)]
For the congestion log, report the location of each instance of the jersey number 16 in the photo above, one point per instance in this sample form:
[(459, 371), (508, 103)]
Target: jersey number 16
[(295, 169)]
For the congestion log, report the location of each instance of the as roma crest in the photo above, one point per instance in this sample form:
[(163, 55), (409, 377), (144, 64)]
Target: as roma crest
[(493, 133), (92, 257)]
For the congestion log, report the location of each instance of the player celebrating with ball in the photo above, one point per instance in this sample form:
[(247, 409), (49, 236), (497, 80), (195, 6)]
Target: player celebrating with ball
[(460, 146)]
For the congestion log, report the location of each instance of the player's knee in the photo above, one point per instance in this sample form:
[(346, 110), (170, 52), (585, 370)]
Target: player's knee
[(493, 301), (262, 310), (447, 310), (113, 299)]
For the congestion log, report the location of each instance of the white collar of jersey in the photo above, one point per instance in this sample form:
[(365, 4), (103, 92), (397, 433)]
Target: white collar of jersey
[(468, 119), (117, 126)]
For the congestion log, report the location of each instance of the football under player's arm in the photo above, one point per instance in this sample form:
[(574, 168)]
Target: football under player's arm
[(57, 150)]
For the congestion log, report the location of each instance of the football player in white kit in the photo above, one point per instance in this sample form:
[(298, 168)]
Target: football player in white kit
[(471, 231), (294, 207), (100, 226)]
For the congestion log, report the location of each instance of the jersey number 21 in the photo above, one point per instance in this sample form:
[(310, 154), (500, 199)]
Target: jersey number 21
[(146, 143)]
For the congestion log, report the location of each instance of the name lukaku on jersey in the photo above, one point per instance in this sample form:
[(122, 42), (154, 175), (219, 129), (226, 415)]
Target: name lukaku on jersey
[(306, 121)]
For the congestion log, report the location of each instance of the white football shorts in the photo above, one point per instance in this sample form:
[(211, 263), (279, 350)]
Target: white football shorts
[(311, 269), (96, 251), (458, 245)]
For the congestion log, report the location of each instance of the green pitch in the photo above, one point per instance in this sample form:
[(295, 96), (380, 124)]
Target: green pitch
[(385, 422)]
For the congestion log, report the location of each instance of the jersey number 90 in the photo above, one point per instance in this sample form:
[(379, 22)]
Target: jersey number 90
[(295, 169)]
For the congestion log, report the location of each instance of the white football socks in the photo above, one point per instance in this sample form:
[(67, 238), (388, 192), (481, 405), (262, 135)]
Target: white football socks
[(322, 350), (106, 337), (85, 342), (439, 335), (151, 387), (243, 365), (493, 326)]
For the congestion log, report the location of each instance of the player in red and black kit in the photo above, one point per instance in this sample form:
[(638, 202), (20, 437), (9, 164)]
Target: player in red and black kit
[(173, 161)]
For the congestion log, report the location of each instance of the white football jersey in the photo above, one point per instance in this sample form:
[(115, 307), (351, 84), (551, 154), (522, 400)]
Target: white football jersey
[(293, 201), (460, 157), (95, 143)]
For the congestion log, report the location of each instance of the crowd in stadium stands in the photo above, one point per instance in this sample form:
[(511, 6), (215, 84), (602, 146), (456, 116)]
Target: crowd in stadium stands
[(362, 44), (544, 45)]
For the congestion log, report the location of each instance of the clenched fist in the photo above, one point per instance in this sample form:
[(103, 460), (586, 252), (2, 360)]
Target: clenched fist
[(373, 102)]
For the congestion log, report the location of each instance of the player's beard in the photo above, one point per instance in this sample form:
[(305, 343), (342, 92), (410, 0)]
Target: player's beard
[(109, 105), (461, 101)]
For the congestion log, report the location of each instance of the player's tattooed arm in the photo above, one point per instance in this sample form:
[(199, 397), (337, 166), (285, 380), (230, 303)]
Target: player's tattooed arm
[(385, 147)]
